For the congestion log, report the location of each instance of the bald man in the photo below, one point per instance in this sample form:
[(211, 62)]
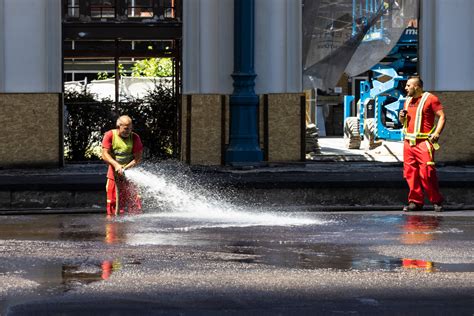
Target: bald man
[(121, 149), (421, 141)]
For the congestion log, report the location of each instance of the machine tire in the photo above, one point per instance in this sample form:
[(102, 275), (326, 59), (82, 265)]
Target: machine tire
[(351, 133), (369, 134)]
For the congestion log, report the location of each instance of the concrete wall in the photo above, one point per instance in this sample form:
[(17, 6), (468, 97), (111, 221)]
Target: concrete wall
[(30, 46), (278, 46), (208, 46), (30, 131), (447, 45), (447, 68), (14, 199), (457, 142)]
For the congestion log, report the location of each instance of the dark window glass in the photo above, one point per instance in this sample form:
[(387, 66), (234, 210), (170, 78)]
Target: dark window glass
[(95, 45), (102, 8), (67, 45)]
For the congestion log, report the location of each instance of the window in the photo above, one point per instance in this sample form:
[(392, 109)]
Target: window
[(102, 9), (140, 8)]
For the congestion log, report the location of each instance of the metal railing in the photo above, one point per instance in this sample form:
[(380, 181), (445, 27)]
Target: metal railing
[(119, 10)]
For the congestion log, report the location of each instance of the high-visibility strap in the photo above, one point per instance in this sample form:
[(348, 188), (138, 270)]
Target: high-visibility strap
[(430, 151), (412, 137), (419, 112), (428, 145)]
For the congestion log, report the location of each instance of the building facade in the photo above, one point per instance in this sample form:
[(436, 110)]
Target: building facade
[(31, 72)]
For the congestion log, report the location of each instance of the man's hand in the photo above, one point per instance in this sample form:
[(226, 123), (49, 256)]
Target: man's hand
[(120, 170), (402, 115), (433, 138)]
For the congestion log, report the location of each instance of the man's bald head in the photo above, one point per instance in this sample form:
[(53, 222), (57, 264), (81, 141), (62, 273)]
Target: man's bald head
[(124, 126), (124, 120)]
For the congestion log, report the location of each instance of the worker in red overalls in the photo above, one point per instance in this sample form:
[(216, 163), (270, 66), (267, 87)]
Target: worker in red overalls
[(421, 142), (121, 149)]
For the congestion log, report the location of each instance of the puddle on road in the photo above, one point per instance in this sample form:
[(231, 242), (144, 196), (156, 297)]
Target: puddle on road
[(66, 277), (340, 244), (56, 278), (333, 257)]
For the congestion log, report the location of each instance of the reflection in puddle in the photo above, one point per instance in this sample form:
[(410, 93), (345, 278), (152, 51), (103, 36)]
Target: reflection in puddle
[(55, 279), (419, 229), (335, 258), (108, 267), (73, 275), (114, 232), (60, 277), (427, 266)]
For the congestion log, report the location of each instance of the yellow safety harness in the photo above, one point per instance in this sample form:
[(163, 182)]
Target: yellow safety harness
[(417, 134), (122, 149)]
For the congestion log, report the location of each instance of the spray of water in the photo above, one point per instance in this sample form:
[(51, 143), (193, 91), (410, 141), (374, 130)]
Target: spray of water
[(176, 195)]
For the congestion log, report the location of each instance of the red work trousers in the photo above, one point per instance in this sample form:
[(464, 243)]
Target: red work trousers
[(129, 200), (420, 172)]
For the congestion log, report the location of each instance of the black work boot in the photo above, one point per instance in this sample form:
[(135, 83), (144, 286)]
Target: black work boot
[(412, 207)]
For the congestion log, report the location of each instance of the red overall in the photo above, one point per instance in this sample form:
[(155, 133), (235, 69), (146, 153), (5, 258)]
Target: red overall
[(129, 200), (418, 156), (128, 197)]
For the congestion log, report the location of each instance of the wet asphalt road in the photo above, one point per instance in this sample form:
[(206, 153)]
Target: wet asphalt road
[(281, 263)]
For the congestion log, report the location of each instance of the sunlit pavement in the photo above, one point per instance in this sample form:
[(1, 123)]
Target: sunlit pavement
[(238, 263), (335, 149)]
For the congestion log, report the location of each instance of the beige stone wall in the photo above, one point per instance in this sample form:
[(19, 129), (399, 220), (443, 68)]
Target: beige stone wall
[(284, 127), (457, 140), (29, 130), (261, 122), (184, 131), (205, 141)]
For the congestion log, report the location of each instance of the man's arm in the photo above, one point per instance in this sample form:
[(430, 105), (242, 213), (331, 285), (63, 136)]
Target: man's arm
[(439, 127), (137, 158), (107, 157)]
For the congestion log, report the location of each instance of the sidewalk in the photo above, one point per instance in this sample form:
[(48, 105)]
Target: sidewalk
[(315, 185), (334, 149)]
